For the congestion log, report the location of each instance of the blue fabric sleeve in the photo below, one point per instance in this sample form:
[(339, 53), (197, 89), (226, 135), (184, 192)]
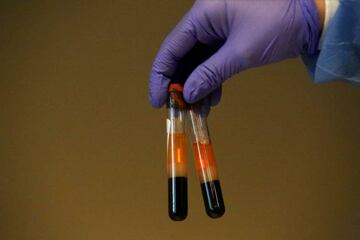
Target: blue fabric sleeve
[(339, 57)]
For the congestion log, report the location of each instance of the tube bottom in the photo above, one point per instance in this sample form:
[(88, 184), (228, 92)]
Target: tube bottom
[(213, 199), (178, 205)]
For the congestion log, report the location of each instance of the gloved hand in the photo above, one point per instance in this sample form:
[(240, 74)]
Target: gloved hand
[(249, 33)]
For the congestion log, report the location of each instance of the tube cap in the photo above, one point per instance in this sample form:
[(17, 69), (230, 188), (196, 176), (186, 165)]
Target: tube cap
[(175, 97), (175, 87)]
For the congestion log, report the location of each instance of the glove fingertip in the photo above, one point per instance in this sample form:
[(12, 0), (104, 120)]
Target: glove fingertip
[(156, 101), (206, 107), (205, 110), (189, 92), (215, 96), (158, 89)]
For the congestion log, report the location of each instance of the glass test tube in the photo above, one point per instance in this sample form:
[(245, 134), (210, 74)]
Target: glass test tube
[(205, 163), (176, 154)]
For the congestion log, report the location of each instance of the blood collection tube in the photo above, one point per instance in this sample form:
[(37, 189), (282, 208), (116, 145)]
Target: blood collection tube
[(176, 153), (205, 163)]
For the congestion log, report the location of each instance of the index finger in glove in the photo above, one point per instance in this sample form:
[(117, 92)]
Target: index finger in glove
[(177, 44)]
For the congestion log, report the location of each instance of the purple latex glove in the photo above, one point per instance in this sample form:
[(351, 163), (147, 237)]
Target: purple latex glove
[(251, 33)]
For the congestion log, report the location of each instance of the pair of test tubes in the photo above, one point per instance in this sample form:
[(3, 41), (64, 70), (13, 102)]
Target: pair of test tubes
[(180, 114)]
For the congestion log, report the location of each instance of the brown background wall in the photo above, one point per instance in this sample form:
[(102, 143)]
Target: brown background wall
[(82, 153)]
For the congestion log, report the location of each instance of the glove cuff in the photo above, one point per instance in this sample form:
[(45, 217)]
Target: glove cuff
[(312, 25)]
